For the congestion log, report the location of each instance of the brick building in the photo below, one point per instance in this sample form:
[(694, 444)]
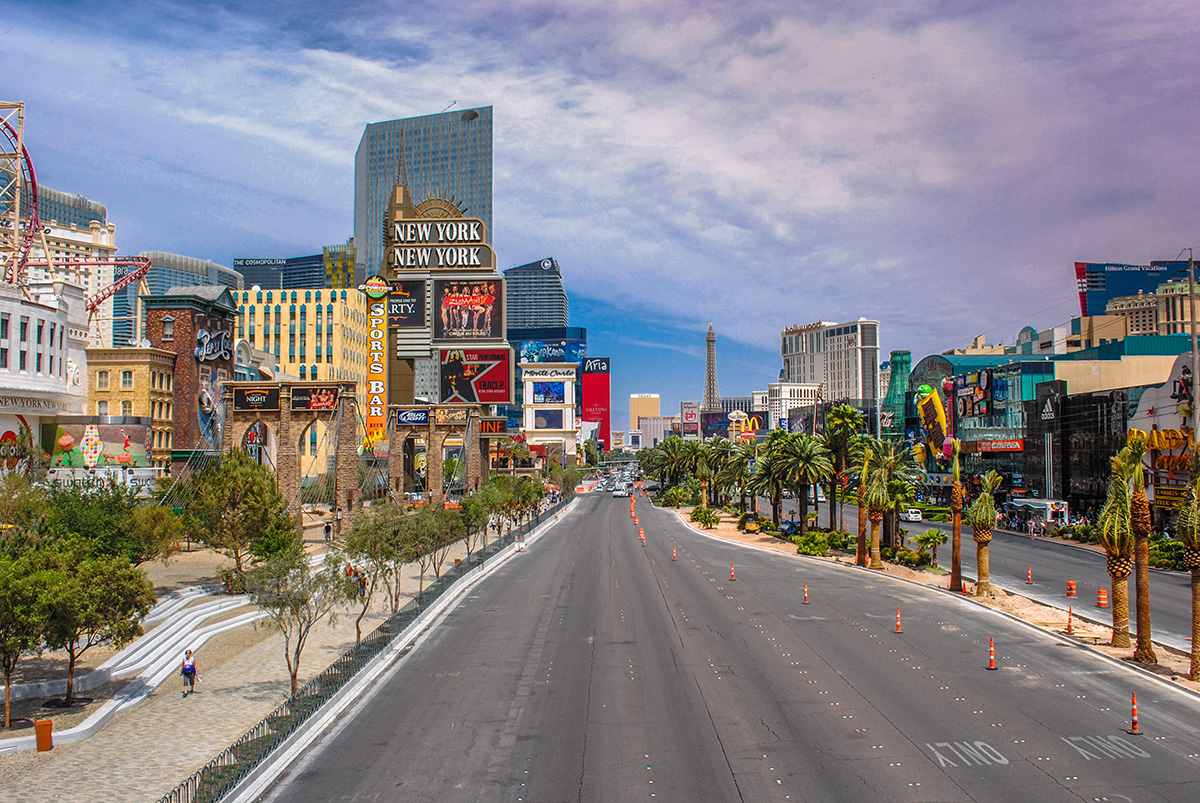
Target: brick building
[(136, 382), (197, 325)]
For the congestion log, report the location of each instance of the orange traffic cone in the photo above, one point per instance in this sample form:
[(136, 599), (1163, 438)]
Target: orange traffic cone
[(1133, 730), (991, 653), (732, 576), (1029, 579), (674, 553), (1102, 598), (806, 593), (1070, 614), (898, 630)]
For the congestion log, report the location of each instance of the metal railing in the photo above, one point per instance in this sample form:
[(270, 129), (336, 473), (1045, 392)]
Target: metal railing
[(219, 776)]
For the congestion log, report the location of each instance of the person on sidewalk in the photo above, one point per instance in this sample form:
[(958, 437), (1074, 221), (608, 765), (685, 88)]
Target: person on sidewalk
[(188, 670), (328, 532)]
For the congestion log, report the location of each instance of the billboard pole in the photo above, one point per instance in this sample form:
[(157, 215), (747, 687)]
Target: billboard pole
[(1195, 422)]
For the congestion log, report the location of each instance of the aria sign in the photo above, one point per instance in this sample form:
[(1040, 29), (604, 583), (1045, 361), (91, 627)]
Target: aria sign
[(214, 346), (427, 244)]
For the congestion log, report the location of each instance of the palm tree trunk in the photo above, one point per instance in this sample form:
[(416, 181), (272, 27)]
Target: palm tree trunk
[(804, 511), (934, 558), (983, 585), (860, 554), (876, 560), (703, 495), (1143, 653), (1120, 611), (776, 501), (1195, 670)]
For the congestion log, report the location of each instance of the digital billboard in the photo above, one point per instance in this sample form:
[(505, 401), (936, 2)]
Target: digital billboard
[(406, 305), (689, 417), (730, 425), (476, 376), (314, 398), (548, 419), (549, 392), (595, 390), (468, 309), (566, 350)]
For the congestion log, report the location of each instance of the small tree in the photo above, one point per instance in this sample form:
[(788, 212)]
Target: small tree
[(373, 543), (474, 515), (151, 530), (295, 596), (99, 514), (96, 600), (931, 539), (22, 617), (237, 508), (981, 518)]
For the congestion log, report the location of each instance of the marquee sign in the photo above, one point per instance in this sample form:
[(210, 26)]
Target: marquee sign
[(438, 244), (214, 346), (547, 373), (256, 398), (377, 378), (493, 427)]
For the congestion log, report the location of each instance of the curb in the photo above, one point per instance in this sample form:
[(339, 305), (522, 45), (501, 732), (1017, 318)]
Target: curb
[(1058, 637), (340, 709)]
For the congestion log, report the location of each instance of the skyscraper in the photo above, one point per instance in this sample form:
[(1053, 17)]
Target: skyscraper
[(712, 398), (535, 295), (166, 271), (447, 167)]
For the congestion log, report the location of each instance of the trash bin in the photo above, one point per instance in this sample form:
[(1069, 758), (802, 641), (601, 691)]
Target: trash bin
[(44, 729)]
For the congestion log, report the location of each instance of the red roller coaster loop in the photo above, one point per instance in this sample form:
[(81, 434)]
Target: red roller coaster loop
[(14, 270)]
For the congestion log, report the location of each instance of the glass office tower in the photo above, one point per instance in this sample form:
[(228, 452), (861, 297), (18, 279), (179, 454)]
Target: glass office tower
[(446, 157)]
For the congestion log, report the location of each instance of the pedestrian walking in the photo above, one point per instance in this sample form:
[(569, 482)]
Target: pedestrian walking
[(328, 531), (188, 670)]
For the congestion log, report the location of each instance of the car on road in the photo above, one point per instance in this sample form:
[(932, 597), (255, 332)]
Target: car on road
[(912, 514)]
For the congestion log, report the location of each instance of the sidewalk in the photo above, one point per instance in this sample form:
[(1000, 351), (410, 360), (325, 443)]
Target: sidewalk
[(144, 752)]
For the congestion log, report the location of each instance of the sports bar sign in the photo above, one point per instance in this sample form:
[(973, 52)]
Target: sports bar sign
[(434, 244)]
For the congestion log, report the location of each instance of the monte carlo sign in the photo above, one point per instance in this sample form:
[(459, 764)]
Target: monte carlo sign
[(440, 244)]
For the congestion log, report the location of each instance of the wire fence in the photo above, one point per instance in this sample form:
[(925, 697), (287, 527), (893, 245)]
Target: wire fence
[(219, 776)]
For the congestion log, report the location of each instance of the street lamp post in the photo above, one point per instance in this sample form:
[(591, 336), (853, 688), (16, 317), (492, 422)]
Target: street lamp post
[(1195, 423)]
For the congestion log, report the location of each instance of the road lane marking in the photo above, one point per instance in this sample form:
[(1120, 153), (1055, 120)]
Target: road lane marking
[(1102, 747), (978, 753)]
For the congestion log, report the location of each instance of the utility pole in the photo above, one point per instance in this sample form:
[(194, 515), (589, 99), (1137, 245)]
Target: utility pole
[(1195, 357)]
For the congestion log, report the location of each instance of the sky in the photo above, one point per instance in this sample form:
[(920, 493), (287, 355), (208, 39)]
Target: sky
[(938, 166)]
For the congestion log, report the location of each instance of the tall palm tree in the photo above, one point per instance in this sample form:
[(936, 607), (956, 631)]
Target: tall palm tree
[(805, 463), (1115, 534), (862, 468), (903, 494), (842, 424), (981, 518), (703, 473), (874, 496), (720, 451), (1187, 530), (956, 510), (736, 471), (1141, 524), (767, 480), (895, 460), (672, 461)]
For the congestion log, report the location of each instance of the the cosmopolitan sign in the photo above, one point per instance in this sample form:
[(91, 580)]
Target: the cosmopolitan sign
[(427, 244)]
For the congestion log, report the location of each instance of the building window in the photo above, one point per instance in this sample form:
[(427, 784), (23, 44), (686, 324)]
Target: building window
[(4, 327), (23, 360), (168, 328), (126, 380), (102, 380), (126, 408), (24, 329), (102, 407), (168, 381), (3, 356)]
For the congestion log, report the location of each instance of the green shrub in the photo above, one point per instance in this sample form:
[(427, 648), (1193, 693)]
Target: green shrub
[(675, 497), (1166, 554), (706, 517), (837, 539), (811, 543), (887, 553), (939, 517), (906, 557)]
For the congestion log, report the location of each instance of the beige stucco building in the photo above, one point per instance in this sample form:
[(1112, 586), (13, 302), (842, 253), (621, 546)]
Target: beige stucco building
[(139, 383)]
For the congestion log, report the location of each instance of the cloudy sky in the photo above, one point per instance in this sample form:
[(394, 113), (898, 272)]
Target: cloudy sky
[(760, 163)]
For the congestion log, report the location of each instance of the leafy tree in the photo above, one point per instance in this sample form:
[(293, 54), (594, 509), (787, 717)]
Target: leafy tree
[(931, 539), (1114, 532), (473, 512), (152, 529), (296, 596), (981, 518), (1141, 524), (237, 511), (99, 514), (90, 600), (22, 617), (22, 504), (374, 544)]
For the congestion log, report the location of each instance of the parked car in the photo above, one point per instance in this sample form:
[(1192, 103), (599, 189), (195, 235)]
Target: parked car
[(912, 514)]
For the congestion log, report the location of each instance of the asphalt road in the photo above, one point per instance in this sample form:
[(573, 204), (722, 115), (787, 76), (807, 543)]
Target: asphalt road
[(1054, 563), (592, 668)]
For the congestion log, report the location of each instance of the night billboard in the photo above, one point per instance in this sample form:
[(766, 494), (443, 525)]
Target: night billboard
[(476, 376), (466, 309), (406, 305), (249, 399), (594, 387)]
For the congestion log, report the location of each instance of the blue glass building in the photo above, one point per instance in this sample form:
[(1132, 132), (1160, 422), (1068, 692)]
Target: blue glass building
[(290, 273), (446, 156), (1100, 282), (166, 271)]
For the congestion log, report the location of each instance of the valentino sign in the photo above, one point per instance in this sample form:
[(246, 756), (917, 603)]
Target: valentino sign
[(426, 244)]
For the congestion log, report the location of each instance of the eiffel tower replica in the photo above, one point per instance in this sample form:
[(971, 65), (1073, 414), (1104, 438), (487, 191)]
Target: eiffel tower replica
[(712, 397)]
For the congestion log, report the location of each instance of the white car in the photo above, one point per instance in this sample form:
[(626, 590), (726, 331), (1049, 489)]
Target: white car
[(912, 514)]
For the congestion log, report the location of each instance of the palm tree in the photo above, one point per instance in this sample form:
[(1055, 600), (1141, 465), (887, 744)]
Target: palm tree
[(956, 510), (767, 480), (862, 463), (1187, 530), (931, 539), (895, 460), (703, 474), (672, 464), (736, 471), (1141, 524), (1115, 534), (842, 424), (873, 494), (903, 494), (805, 464), (720, 452), (981, 518)]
